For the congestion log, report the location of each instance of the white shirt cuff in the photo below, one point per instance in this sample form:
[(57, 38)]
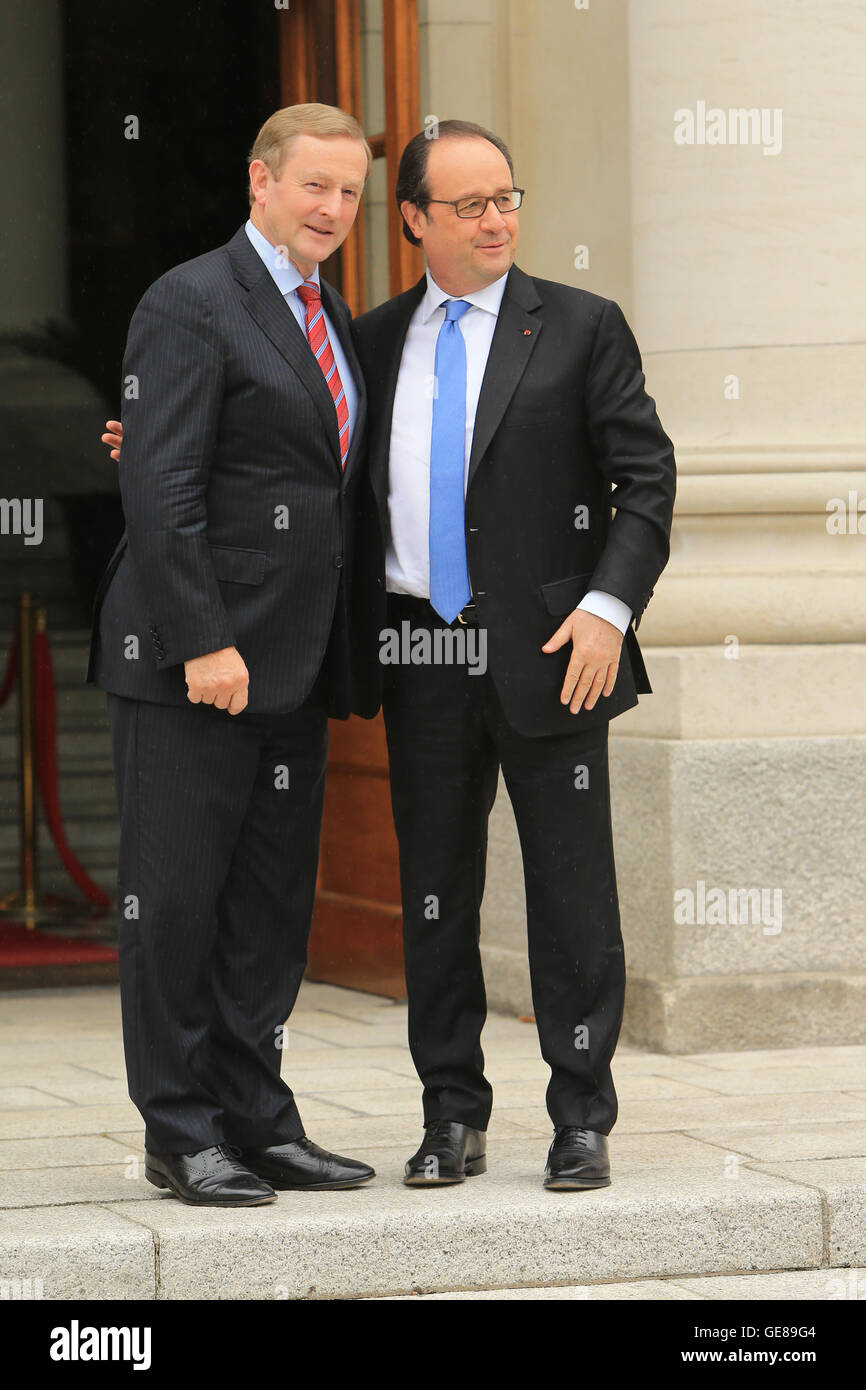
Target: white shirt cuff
[(606, 606)]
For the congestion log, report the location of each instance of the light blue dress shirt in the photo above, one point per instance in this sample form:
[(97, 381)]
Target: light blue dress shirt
[(407, 565), (287, 277)]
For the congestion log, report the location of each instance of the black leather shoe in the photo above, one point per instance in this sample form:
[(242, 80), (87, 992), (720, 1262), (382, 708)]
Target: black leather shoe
[(303, 1165), (578, 1158), (450, 1152), (209, 1178)]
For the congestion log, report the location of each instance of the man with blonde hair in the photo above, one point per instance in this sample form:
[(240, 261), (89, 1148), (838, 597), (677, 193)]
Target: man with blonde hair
[(221, 637), (529, 496)]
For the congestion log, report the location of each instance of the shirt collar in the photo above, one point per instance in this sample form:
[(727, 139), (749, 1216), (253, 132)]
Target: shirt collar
[(285, 274), (489, 298)]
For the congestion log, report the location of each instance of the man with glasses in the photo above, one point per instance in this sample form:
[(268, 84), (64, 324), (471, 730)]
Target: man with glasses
[(507, 416)]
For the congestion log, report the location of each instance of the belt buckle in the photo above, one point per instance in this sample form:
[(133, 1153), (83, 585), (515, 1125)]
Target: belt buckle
[(467, 622)]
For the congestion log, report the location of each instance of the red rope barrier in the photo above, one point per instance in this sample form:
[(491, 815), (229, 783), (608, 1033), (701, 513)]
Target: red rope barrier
[(46, 769), (46, 757)]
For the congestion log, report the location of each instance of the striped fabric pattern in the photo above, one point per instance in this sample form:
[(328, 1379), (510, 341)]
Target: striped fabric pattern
[(317, 335), (233, 427)]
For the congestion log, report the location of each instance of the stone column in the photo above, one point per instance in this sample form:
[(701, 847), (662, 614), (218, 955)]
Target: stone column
[(744, 771)]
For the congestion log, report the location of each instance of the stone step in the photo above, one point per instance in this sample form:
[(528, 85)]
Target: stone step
[(85, 783), (79, 706), (76, 750), (78, 711), (492, 1232), (61, 611), (83, 795), (69, 649), (94, 842), (723, 1165), (54, 879), (86, 837)]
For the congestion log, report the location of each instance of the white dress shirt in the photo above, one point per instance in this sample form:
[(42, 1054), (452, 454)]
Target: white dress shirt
[(287, 278), (407, 563)]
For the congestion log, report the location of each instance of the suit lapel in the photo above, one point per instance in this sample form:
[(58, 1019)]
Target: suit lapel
[(517, 331), (270, 311)]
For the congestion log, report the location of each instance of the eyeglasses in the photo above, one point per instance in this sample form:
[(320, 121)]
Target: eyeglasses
[(476, 207)]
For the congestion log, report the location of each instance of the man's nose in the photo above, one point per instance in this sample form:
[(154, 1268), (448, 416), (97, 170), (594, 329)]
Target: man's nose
[(330, 203), (492, 219)]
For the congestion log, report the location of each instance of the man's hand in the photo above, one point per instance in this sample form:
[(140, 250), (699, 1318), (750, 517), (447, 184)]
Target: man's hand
[(113, 438), (594, 660), (220, 679)]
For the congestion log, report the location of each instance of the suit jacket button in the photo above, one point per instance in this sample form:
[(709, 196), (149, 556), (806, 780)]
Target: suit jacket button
[(338, 562)]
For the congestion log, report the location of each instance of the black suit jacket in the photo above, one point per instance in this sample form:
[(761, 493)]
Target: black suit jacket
[(239, 518), (564, 422)]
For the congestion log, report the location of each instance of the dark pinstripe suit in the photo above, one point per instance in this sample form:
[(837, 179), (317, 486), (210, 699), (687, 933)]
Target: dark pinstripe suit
[(239, 532)]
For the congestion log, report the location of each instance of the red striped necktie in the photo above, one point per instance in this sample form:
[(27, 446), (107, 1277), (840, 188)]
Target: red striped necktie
[(317, 336)]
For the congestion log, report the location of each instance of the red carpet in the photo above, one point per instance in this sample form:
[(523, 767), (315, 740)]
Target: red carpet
[(18, 947)]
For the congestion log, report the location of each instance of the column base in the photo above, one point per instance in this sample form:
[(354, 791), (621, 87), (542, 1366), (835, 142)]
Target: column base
[(734, 1013)]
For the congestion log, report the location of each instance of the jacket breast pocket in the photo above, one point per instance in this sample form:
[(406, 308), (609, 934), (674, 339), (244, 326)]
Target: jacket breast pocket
[(233, 565), (563, 595)]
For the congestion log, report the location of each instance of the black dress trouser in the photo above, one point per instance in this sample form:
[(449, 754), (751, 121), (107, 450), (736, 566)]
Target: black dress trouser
[(447, 739), (220, 818)]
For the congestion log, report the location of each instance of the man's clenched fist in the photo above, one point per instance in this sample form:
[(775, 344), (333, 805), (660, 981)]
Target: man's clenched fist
[(220, 679)]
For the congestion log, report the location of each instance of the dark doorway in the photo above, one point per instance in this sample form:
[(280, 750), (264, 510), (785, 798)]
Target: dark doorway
[(199, 78)]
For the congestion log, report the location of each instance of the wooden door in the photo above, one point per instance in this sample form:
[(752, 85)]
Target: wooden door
[(357, 923)]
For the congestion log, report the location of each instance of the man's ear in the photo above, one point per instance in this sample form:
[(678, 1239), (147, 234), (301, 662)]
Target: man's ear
[(259, 175), (415, 218)]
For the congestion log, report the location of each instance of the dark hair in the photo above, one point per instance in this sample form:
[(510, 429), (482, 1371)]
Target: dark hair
[(412, 173)]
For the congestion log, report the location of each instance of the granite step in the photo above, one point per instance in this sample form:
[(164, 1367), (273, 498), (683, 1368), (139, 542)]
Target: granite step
[(727, 1167)]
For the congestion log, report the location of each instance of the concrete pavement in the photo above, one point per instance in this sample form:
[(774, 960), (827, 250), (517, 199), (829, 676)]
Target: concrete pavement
[(735, 1175)]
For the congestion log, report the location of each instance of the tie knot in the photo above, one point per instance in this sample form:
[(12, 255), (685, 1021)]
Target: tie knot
[(455, 309), (309, 291)]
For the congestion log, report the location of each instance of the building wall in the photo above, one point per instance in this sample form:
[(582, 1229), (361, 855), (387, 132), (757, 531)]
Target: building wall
[(742, 274)]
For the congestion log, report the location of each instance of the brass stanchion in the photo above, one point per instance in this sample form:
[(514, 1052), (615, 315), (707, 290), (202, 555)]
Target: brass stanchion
[(27, 905)]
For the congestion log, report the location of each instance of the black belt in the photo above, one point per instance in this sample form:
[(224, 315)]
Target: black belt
[(468, 615), (424, 611)]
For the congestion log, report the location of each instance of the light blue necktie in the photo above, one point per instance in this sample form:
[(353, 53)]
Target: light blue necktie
[(449, 574)]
